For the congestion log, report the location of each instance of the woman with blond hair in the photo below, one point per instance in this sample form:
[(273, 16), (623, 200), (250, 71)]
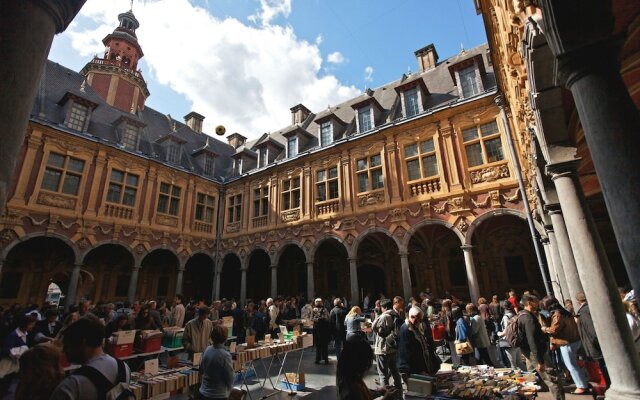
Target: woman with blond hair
[(40, 372), (353, 322)]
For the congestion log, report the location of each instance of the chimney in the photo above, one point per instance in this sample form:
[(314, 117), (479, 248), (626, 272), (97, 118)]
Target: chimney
[(299, 114), (194, 121), (236, 140), (427, 57)]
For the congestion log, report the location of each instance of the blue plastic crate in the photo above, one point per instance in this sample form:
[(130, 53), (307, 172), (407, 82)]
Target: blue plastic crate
[(292, 386)]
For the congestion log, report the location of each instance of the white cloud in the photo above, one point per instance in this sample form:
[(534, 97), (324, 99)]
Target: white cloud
[(335, 58), (368, 73), (243, 77), (269, 9), (319, 39)]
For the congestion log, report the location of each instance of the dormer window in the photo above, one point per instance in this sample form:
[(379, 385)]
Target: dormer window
[(263, 157), (130, 137), (326, 134), (208, 165), (468, 81), (172, 152), (77, 117), (292, 146), (365, 120), (411, 102), (237, 166)]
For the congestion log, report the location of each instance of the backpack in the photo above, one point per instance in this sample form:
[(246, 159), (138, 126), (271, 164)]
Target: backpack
[(393, 337), (512, 334), (107, 390)]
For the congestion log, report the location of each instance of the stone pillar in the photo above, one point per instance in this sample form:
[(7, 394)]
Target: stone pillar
[(243, 286), (555, 285), (566, 254), (447, 151), (557, 263), (100, 161), (179, 279), (611, 127), (353, 272), (133, 283), (274, 281), (600, 288), (311, 289), (73, 285), (406, 276), (26, 33), (216, 282), (345, 178), (472, 278), (391, 159)]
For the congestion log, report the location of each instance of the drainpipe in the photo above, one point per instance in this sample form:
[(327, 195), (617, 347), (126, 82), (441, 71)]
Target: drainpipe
[(499, 100)]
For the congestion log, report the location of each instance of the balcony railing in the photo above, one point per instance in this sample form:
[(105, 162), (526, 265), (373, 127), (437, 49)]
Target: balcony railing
[(259, 222), (427, 186), (327, 207), (118, 63), (203, 227), (117, 211)]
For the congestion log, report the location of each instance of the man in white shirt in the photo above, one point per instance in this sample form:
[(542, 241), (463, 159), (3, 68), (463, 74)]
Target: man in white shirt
[(273, 315), (82, 343), (177, 314)]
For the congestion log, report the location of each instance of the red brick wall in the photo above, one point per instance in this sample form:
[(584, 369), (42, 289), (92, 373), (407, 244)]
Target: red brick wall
[(124, 95)]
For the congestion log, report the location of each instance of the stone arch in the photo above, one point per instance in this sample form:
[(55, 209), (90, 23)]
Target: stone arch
[(230, 275), (323, 239), (259, 263), (126, 246), (283, 245), (260, 247), (292, 269), (426, 222), (498, 212), (112, 263), (163, 247), (363, 235), (66, 240), (331, 272), (198, 276), (158, 274)]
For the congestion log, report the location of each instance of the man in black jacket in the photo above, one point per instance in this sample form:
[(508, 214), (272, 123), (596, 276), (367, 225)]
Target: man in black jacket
[(590, 342), (336, 317), (534, 345)]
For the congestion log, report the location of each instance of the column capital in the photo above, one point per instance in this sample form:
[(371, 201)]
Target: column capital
[(403, 254), (309, 263), (354, 259), (137, 266), (62, 12), (545, 240), (562, 169), (78, 265), (467, 247), (181, 268), (274, 266)]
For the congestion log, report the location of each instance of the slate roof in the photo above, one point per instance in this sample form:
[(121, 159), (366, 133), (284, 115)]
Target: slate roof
[(58, 80)]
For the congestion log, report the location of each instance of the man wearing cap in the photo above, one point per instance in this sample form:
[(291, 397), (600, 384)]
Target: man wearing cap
[(321, 331), (197, 332)]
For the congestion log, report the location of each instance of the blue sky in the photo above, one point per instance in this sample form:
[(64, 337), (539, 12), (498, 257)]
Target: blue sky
[(244, 63)]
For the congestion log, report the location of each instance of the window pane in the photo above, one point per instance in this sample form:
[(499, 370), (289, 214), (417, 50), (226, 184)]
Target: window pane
[(333, 172), (117, 176), (474, 155), (132, 180), (256, 208), (429, 166), (376, 179), (322, 190), (469, 134), (333, 189), (320, 176), (489, 128), (51, 179), (56, 160), (413, 169), (175, 192), (199, 212), (468, 81), (325, 134), (296, 183), (129, 198), (292, 149), (411, 150), (375, 161), (164, 188), (364, 119), (210, 201), (362, 164), (363, 182), (411, 102), (75, 165), (230, 214), (113, 195), (494, 150), (200, 197), (162, 204), (286, 185), (265, 206), (238, 212), (71, 184), (427, 146), (173, 206), (286, 200), (208, 215), (296, 198)]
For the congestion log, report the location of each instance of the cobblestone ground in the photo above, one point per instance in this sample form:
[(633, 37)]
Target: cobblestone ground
[(320, 379)]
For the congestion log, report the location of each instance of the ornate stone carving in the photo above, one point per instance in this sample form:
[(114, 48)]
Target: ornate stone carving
[(233, 227), (140, 249), (490, 174), (397, 214), (7, 236), (55, 200), (426, 208), (348, 223), (462, 225), (290, 215), (83, 243), (167, 220), (307, 230), (458, 205), (371, 199)]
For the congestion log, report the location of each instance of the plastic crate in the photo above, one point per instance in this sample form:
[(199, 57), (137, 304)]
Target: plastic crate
[(150, 345), (120, 350), (438, 332), (292, 386), (172, 341)]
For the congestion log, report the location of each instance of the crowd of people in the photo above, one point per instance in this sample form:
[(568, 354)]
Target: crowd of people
[(549, 337)]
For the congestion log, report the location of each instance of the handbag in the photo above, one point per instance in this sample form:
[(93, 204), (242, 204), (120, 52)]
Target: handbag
[(463, 348)]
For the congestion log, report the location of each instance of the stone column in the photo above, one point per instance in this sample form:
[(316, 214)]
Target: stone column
[(274, 281), (179, 279), (73, 285), (100, 161), (600, 288), (311, 289), (472, 278), (557, 262), (243, 286), (566, 254), (611, 127), (26, 33), (447, 151), (555, 285), (353, 272), (391, 159), (345, 178), (216, 283), (406, 275), (133, 283)]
